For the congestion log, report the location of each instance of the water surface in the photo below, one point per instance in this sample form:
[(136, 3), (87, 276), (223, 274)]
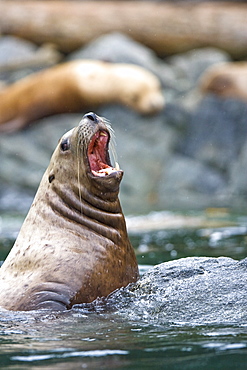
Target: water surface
[(83, 338)]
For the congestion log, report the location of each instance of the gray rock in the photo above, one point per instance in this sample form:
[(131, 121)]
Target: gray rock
[(14, 49), (217, 132), (186, 182), (192, 64), (116, 48), (194, 290), (238, 175), (19, 58)]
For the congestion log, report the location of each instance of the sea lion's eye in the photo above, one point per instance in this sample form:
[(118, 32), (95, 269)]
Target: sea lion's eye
[(65, 145)]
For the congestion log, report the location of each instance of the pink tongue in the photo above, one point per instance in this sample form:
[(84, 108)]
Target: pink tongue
[(96, 163), (97, 152)]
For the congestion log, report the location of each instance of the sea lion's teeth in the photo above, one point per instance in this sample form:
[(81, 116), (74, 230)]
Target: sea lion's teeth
[(104, 171), (107, 170), (117, 166), (102, 133), (98, 173)]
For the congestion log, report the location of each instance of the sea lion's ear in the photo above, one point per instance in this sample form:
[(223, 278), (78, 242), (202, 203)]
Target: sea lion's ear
[(65, 144), (51, 178)]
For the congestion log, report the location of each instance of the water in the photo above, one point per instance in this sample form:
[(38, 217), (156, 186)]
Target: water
[(103, 341), (83, 338)]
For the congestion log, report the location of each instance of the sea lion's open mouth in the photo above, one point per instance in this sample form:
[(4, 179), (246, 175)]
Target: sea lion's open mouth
[(98, 155)]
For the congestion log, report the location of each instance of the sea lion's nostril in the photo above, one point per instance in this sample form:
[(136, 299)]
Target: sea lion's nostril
[(92, 116)]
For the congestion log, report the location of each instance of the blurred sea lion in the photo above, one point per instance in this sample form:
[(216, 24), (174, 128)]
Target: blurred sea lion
[(73, 246), (75, 86), (228, 80)]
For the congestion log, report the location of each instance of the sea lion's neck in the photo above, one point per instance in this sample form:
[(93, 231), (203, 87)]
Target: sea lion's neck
[(103, 217)]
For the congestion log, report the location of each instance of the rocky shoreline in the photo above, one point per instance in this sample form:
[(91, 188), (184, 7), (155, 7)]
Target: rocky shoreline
[(192, 155)]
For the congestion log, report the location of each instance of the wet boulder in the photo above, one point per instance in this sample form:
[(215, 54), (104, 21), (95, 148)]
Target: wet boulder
[(216, 132), (191, 290)]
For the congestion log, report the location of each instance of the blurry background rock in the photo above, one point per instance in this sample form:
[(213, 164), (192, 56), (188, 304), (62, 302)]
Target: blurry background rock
[(191, 155), (19, 58)]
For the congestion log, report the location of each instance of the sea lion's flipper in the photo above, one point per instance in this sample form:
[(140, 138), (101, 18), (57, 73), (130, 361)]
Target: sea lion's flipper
[(51, 305), (52, 295)]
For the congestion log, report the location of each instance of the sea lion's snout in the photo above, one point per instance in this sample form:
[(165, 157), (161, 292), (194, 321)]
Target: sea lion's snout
[(92, 117)]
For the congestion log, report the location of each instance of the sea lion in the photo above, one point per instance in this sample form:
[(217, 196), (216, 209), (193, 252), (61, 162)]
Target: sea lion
[(78, 85), (228, 80), (73, 246)]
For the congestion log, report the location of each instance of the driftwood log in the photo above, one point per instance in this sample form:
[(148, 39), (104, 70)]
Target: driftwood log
[(167, 28)]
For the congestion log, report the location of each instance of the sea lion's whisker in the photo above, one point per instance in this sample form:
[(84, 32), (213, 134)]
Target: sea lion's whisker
[(112, 144), (78, 173)]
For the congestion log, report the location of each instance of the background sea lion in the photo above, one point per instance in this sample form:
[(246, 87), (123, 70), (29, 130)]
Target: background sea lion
[(73, 245), (229, 80), (77, 85)]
